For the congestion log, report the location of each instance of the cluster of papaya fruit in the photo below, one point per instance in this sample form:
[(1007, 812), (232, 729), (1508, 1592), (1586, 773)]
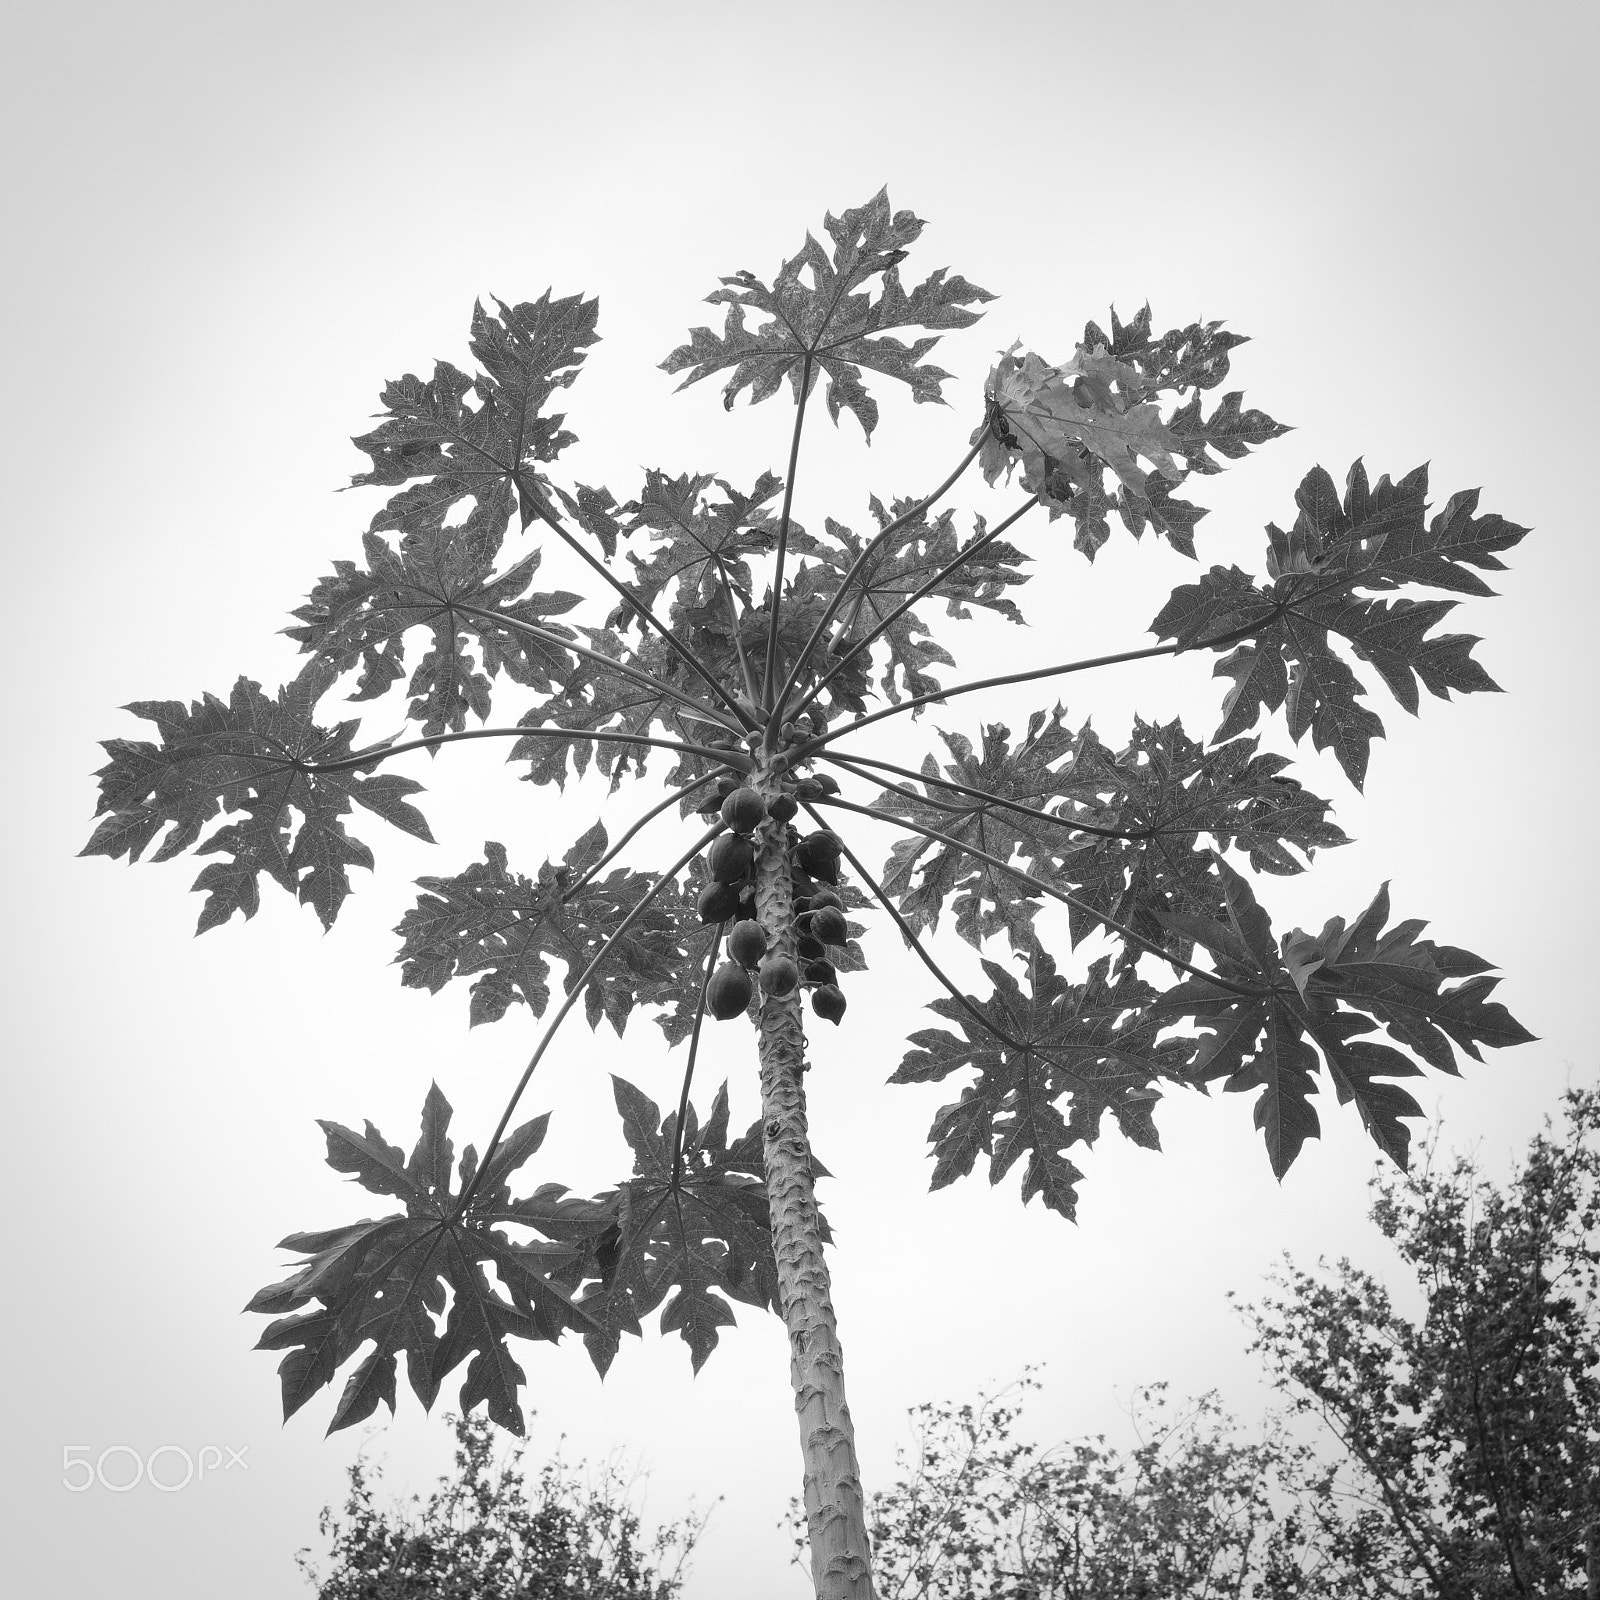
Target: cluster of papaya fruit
[(730, 896)]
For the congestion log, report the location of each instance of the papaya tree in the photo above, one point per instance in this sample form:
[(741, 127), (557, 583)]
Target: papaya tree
[(758, 656)]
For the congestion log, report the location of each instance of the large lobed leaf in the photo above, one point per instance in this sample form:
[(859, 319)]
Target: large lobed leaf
[(925, 873), (363, 615), (250, 755), (1088, 1045), (447, 449), (1121, 833), (699, 1232), (505, 929), (828, 321), (1156, 799), (1267, 1015), (697, 544), (1264, 1039), (1068, 425), (894, 572), (384, 1280), (1376, 539)]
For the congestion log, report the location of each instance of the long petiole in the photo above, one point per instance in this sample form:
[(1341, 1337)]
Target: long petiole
[(832, 607), (574, 994), (885, 623), (851, 763), (783, 530), (733, 622), (694, 1050), (364, 757), (800, 752), (1043, 888)]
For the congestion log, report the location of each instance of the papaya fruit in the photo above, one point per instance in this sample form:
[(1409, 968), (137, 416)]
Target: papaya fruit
[(744, 810), (779, 976), (747, 943), (717, 902), (829, 925), (818, 854), (728, 994), (828, 1002), (731, 858)]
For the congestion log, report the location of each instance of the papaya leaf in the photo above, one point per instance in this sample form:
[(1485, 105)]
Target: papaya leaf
[(363, 615), (385, 1279), (985, 899), (694, 541), (1060, 1042), (702, 1235), (1066, 425), (897, 570), (1375, 539), (1194, 357), (1162, 793), (828, 321), (249, 755), (505, 928), (1264, 1039), (595, 698), (486, 450)]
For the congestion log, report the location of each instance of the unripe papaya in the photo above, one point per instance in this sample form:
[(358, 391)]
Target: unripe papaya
[(819, 972), (825, 897), (810, 949), (779, 976), (818, 854), (731, 858), (728, 994), (826, 782), (747, 943), (828, 1002), (829, 926), (744, 810), (782, 806), (717, 902), (824, 871)]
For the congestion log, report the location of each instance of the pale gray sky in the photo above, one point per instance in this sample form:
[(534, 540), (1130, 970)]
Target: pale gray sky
[(230, 224)]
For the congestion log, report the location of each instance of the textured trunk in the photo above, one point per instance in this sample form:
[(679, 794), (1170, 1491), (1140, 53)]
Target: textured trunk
[(835, 1510)]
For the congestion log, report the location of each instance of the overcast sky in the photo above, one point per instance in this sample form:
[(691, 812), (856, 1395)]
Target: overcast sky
[(231, 224)]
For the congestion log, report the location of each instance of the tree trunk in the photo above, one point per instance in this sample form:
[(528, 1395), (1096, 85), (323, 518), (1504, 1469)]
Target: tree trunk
[(835, 1509)]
